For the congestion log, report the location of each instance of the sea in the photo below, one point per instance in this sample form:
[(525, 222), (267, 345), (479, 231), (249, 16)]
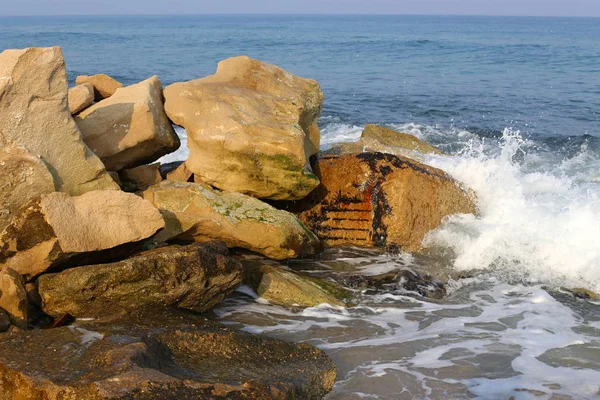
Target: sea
[(515, 104)]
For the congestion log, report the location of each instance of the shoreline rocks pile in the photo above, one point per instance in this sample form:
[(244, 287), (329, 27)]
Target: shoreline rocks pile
[(91, 226)]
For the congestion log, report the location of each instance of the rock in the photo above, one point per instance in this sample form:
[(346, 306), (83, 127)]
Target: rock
[(13, 298), (251, 128), (400, 281), (81, 97), (49, 231), (22, 178), (104, 85), (34, 114), (159, 354), (380, 200), (181, 174), (194, 277), (287, 288), (4, 321), (197, 213), (392, 138), (130, 128), (140, 178)]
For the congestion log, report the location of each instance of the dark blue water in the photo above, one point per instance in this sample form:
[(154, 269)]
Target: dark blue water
[(538, 75)]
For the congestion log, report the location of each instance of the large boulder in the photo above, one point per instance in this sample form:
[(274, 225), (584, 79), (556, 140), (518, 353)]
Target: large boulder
[(34, 114), (23, 177), (81, 97), (194, 277), (104, 85), (380, 200), (13, 298), (159, 354), (130, 128), (251, 128), (50, 230), (199, 213)]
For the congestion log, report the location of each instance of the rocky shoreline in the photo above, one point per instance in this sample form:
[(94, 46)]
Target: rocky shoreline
[(108, 259)]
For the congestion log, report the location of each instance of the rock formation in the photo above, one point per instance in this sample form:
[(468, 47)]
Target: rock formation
[(13, 298), (81, 97), (104, 85), (251, 128)]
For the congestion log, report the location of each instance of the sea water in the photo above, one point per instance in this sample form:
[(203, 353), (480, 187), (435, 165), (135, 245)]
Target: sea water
[(514, 102)]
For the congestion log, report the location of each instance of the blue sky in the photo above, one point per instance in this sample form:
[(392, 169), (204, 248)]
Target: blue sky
[(461, 7)]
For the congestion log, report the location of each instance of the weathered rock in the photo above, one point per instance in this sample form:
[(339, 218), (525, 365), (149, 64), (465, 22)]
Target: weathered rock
[(13, 297), (194, 277), (130, 128), (181, 174), (392, 138), (4, 321), (48, 231), (380, 200), (34, 114), (198, 213), (400, 281), (251, 128), (81, 97), (159, 355), (104, 85), (22, 178), (140, 178), (287, 288)]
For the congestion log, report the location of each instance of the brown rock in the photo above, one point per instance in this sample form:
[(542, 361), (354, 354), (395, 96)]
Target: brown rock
[(104, 85), (4, 321), (159, 354), (47, 232), (81, 97), (251, 128), (130, 128), (34, 114), (181, 174), (380, 200), (142, 177), (194, 277), (22, 178), (198, 213), (13, 297), (392, 138)]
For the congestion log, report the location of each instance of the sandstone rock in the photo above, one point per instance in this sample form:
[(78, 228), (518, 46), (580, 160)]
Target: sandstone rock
[(34, 114), (142, 177), (198, 213), (48, 231), (13, 297), (380, 200), (392, 138), (4, 321), (159, 355), (130, 128), (81, 97), (251, 128), (22, 178), (104, 85), (181, 174), (194, 277), (287, 288)]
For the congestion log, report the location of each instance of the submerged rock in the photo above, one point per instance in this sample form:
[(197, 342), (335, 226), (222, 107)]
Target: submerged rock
[(194, 277), (404, 280), (159, 354), (251, 128), (81, 97), (13, 298), (50, 230), (287, 288), (197, 213), (22, 177), (380, 200), (130, 128), (34, 115), (104, 85)]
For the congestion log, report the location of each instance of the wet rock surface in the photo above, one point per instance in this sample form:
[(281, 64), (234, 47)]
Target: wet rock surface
[(194, 277), (158, 354)]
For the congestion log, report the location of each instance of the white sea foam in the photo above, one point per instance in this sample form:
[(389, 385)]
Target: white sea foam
[(182, 153)]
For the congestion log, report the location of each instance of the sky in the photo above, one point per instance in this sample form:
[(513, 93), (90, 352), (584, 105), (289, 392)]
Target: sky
[(589, 8)]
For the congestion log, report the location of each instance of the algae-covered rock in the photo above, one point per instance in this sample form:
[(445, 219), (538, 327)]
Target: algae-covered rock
[(392, 138), (198, 213), (194, 277), (159, 354), (251, 128)]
